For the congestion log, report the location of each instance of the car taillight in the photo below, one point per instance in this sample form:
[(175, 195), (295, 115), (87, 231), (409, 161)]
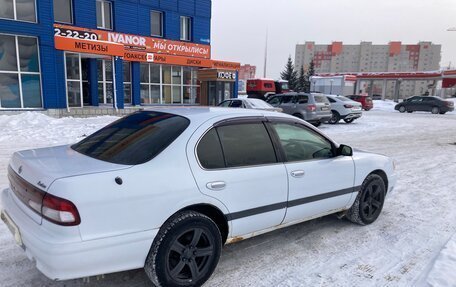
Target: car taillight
[(348, 106), (60, 211), (311, 108)]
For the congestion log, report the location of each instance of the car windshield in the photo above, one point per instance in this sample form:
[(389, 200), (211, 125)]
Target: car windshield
[(134, 139), (259, 103)]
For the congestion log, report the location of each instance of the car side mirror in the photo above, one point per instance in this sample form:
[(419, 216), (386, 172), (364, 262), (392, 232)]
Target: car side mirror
[(345, 150)]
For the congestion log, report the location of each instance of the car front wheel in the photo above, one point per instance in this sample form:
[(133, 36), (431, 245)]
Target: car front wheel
[(185, 252), (369, 202), (402, 109)]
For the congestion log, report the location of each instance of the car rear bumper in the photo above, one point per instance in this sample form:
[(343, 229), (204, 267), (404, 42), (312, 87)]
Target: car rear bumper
[(62, 255), (318, 117)]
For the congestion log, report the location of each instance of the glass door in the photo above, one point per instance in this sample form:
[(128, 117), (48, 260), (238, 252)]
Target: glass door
[(105, 82), (77, 80)]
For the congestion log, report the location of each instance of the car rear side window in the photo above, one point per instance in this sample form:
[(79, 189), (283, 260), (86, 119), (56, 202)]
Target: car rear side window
[(320, 99), (209, 151), (246, 145), (134, 139)]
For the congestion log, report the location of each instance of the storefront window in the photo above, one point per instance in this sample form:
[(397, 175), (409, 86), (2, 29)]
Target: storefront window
[(163, 84), (20, 79), (127, 82), (105, 83), (63, 11), (21, 10)]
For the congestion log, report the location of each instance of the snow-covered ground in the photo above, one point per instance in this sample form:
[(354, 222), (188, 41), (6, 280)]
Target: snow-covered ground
[(404, 247)]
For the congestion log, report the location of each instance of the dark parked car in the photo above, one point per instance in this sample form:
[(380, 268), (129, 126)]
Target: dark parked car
[(434, 105), (365, 101)]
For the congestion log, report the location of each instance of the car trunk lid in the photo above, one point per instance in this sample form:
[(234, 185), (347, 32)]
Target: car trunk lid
[(31, 173)]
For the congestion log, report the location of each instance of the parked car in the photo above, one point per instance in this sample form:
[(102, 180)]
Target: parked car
[(366, 101), (248, 103), (313, 108), (164, 189), (431, 104), (343, 108)]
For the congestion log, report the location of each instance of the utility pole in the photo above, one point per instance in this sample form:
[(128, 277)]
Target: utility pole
[(266, 55)]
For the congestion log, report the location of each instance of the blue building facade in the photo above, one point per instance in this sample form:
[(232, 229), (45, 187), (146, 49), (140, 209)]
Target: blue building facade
[(55, 54)]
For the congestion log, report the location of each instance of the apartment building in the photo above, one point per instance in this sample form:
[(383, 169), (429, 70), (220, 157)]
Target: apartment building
[(369, 58)]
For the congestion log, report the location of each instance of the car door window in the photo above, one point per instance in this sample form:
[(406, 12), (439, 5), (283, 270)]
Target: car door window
[(236, 104), (246, 145), (287, 99), (331, 100), (302, 99), (225, 104), (300, 143), (275, 101), (209, 151), (415, 100)]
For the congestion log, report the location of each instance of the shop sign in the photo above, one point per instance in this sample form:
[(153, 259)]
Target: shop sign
[(226, 75), (136, 42), (88, 46), (225, 65)]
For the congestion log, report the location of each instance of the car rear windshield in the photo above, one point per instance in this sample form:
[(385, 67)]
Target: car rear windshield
[(321, 99), (342, 98), (134, 139)]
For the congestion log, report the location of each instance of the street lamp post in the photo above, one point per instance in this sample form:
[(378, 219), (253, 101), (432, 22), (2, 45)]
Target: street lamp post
[(331, 87)]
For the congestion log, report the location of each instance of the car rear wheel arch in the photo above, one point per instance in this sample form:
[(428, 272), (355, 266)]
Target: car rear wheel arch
[(213, 213)]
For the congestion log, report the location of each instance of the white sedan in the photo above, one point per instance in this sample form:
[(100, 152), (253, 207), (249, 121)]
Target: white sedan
[(163, 190)]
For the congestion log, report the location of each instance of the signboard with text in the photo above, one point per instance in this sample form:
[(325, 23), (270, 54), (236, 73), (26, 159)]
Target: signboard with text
[(135, 42)]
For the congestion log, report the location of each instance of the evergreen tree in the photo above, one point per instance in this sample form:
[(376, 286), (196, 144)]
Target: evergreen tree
[(309, 74), (301, 80), (289, 74)]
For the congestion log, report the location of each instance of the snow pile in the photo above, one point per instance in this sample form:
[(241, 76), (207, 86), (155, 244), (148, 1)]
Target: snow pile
[(444, 271), (386, 105)]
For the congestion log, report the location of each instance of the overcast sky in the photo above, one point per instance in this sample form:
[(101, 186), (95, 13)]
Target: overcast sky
[(239, 26)]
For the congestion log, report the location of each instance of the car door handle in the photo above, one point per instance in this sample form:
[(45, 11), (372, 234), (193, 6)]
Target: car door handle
[(297, 173), (216, 185)]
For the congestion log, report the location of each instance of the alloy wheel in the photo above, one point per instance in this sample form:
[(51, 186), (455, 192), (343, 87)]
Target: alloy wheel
[(188, 258), (372, 201)]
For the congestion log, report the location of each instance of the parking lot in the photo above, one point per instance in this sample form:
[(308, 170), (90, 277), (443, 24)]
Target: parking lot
[(397, 250)]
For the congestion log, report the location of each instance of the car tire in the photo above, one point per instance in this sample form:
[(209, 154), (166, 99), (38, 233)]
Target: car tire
[(349, 121), (402, 109), (369, 201), (442, 113), (409, 112), (185, 251), (316, 124), (435, 110), (335, 118)]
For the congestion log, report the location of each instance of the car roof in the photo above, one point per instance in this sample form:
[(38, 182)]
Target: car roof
[(200, 114)]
